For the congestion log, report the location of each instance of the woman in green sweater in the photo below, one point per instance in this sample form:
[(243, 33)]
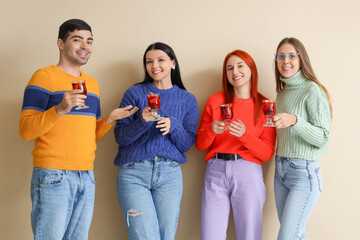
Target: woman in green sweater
[(302, 121)]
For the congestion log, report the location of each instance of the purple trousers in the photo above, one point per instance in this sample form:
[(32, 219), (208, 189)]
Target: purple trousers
[(237, 184)]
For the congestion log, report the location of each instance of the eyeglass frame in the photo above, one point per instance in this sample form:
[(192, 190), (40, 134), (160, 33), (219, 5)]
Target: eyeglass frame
[(286, 56)]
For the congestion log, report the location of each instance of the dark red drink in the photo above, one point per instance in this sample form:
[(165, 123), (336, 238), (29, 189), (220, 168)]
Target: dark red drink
[(269, 108), (154, 101), (269, 111), (80, 85), (226, 114)]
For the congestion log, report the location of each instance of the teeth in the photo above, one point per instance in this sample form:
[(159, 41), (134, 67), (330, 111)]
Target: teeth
[(82, 54)]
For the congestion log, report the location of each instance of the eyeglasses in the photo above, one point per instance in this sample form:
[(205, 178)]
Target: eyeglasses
[(281, 56)]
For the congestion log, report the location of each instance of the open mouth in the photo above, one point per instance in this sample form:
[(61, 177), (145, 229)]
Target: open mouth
[(237, 78)]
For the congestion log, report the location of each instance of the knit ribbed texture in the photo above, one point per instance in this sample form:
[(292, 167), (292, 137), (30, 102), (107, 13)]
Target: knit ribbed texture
[(308, 138), (67, 142), (140, 140)]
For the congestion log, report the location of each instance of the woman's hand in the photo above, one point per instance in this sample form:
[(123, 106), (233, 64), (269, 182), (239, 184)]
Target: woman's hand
[(218, 127), (237, 128), (147, 114), (164, 124), (284, 120)]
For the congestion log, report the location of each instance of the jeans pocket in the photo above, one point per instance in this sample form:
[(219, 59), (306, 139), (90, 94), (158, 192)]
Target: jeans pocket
[(211, 161), (48, 177), (128, 165), (297, 163), (91, 175), (173, 163)]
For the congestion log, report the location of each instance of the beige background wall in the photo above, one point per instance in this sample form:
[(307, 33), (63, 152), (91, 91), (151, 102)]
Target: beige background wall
[(201, 33)]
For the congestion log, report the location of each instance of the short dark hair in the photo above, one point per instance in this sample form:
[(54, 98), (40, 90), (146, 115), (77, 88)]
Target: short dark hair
[(175, 73), (71, 25)]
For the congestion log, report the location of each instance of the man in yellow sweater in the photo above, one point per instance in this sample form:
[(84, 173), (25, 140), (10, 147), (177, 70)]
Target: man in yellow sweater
[(62, 185)]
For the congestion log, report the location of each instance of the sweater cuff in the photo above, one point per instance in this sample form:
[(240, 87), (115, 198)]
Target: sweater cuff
[(246, 137), (209, 131), (175, 124)]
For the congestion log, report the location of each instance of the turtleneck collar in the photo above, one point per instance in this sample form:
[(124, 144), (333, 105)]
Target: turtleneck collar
[(296, 80)]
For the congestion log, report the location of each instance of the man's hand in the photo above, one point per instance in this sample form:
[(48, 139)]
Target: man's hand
[(120, 113), (70, 99)]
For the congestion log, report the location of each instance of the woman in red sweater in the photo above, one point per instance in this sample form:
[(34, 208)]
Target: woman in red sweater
[(233, 175)]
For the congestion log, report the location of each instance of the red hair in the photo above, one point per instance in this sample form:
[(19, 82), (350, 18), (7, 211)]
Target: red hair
[(254, 94)]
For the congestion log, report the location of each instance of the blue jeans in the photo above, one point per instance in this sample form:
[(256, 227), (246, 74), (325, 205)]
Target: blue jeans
[(62, 204), (297, 186), (150, 193)]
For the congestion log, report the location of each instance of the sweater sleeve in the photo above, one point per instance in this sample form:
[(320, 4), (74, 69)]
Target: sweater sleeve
[(102, 128), (34, 123), (182, 134), (205, 136), (315, 131), (128, 130), (35, 119), (261, 147)]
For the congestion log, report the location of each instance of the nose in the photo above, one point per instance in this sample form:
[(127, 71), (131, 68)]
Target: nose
[(83, 45), (235, 70), (154, 64), (286, 59)]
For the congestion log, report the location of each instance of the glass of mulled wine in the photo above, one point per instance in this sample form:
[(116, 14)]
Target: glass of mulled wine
[(226, 114), (154, 104), (269, 111), (80, 85)]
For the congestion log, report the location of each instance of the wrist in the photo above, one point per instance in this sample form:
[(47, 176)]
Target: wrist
[(58, 111), (108, 121), (295, 120)]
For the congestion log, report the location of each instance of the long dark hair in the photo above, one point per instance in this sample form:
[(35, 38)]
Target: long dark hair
[(254, 94), (175, 73), (306, 69)]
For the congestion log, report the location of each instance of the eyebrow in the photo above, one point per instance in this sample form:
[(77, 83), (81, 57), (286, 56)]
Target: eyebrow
[(156, 57), (235, 64), (287, 53), (77, 36)]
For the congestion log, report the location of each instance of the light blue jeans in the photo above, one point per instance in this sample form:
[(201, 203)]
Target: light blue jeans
[(297, 186), (150, 193), (62, 204)]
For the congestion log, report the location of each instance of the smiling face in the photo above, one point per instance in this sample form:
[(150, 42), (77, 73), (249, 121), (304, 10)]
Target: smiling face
[(158, 66), (238, 73), (288, 67), (77, 48)]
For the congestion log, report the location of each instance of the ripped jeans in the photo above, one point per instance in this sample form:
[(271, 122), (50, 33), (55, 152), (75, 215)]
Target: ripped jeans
[(149, 193), (297, 187)]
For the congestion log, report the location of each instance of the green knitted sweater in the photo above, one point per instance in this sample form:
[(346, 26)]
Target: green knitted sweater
[(308, 138)]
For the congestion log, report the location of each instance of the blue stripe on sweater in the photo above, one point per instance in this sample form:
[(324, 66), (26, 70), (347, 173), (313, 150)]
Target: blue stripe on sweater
[(41, 99)]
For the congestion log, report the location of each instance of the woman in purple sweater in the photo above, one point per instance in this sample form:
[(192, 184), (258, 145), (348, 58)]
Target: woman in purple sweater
[(149, 180)]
